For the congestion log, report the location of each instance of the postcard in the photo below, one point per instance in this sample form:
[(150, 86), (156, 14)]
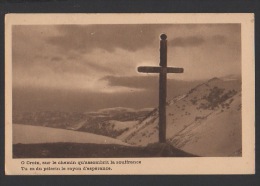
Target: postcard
[(129, 94)]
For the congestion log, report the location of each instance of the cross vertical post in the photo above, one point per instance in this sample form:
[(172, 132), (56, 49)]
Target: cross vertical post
[(162, 69), (163, 89)]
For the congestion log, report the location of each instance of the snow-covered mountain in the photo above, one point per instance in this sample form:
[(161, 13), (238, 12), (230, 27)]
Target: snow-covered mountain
[(206, 121)]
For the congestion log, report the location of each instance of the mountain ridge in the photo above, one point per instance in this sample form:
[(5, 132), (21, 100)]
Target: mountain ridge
[(206, 103)]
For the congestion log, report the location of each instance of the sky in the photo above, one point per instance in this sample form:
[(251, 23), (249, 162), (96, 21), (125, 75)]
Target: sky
[(103, 59)]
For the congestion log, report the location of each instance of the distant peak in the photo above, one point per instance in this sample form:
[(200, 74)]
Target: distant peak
[(116, 109), (146, 109), (214, 79)]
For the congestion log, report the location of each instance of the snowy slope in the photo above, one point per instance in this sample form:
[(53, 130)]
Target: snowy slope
[(219, 134), (27, 134), (206, 121)]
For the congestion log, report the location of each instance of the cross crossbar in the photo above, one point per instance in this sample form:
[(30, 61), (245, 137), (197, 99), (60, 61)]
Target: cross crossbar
[(151, 69)]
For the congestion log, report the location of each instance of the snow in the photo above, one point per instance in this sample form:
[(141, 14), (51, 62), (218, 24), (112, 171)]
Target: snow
[(204, 131), (218, 135), (27, 134), (119, 125), (113, 109)]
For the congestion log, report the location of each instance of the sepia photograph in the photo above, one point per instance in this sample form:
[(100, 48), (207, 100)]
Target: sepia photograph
[(129, 90)]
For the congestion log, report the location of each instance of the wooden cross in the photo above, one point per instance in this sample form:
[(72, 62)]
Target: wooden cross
[(163, 70)]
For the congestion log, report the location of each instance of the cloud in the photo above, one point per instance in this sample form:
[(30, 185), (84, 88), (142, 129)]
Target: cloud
[(190, 41), (99, 68), (71, 55), (99, 62), (85, 38), (144, 82), (219, 39), (56, 58), (198, 40), (41, 98)]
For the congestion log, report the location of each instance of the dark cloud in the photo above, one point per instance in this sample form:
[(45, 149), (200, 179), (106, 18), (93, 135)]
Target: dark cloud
[(190, 41), (56, 59), (219, 39), (73, 57), (109, 37), (100, 68), (41, 57)]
